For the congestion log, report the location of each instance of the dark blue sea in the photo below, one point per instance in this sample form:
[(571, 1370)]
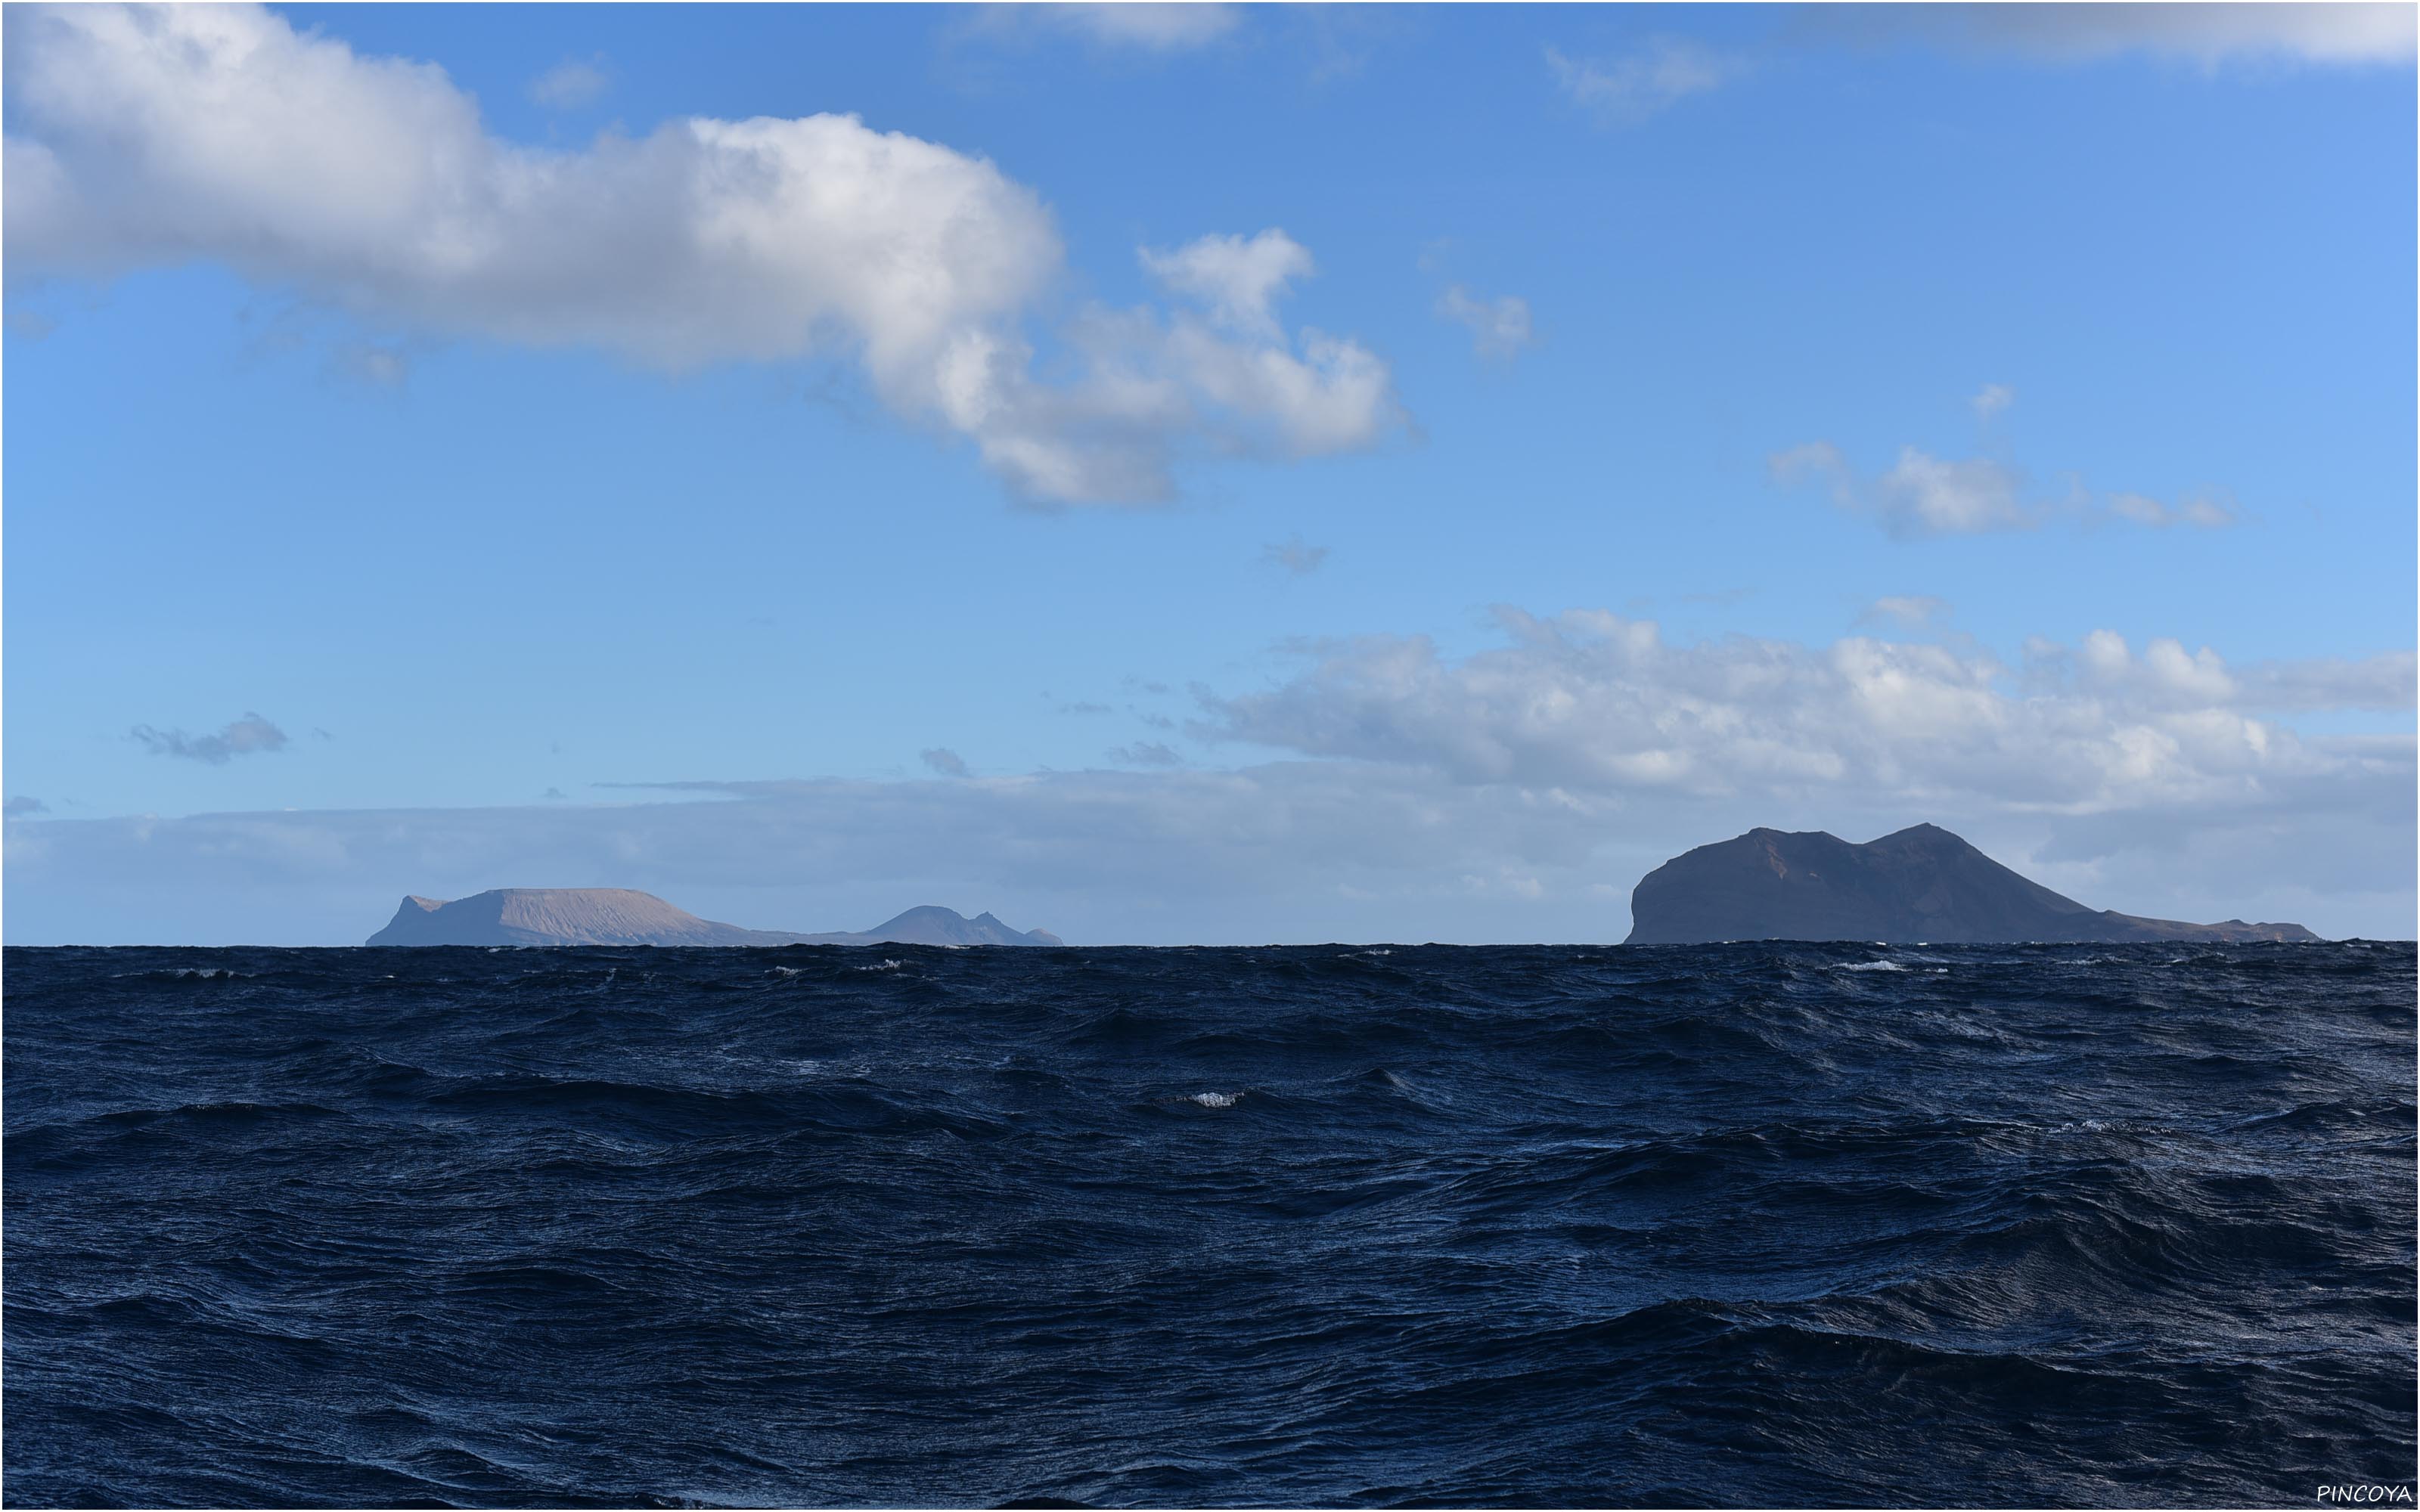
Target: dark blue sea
[(1753, 1225)]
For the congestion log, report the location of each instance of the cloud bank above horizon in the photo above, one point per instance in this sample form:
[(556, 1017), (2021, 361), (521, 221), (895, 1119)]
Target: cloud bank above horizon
[(1520, 791)]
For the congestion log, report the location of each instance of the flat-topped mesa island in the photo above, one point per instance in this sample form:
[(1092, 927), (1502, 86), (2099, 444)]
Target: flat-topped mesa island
[(618, 916), (1920, 886)]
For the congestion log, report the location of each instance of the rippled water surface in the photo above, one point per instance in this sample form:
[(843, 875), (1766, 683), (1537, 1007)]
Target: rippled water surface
[(1526, 1226)]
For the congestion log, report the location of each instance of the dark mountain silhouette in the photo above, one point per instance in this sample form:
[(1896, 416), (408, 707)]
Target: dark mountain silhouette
[(939, 926), (616, 916), (1920, 886)]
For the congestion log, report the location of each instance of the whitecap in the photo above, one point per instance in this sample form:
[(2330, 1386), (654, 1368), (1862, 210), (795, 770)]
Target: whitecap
[(1874, 965), (1217, 1099)]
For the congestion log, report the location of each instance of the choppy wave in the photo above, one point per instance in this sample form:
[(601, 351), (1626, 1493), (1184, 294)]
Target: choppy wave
[(1761, 1225)]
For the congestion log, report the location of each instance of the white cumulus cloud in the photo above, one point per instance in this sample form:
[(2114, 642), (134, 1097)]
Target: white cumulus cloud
[(1924, 495), (1236, 278), (1592, 701), (146, 136)]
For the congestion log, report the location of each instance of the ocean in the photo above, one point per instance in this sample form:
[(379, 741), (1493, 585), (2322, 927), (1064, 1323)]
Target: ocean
[(1763, 1224)]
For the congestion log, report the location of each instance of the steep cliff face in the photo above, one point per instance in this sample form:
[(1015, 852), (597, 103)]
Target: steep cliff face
[(617, 916), (1922, 885)]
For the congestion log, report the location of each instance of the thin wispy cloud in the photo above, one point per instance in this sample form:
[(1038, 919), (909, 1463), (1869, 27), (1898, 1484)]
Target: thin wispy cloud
[(1719, 598), (1141, 26), (21, 807), (1627, 87), (248, 737), (1296, 557), (945, 762), (2205, 35), (1909, 611), (376, 365), (220, 133), (1500, 328), (1921, 493), (1815, 462), (2199, 513), (572, 84)]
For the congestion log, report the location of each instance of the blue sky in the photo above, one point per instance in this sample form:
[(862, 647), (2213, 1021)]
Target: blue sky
[(1302, 474)]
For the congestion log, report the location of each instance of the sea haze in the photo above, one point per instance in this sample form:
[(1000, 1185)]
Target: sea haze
[(1771, 1225)]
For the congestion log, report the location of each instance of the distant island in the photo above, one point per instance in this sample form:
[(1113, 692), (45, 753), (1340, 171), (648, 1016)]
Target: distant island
[(1919, 886), (617, 916)]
